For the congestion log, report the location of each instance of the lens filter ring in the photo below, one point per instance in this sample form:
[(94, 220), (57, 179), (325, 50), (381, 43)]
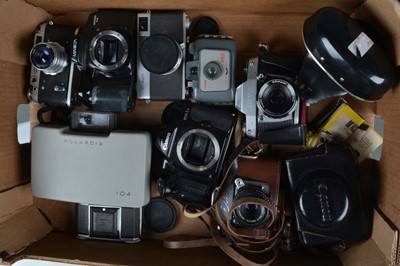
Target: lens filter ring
[(192, 136), (49, 57), (251, 214), (276, 98), (108, 50)]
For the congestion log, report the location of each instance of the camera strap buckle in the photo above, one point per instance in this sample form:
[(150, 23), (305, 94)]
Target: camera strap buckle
[(251, 152)]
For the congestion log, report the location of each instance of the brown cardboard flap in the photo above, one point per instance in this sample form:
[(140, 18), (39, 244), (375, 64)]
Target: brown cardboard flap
[(15, 199), (65, 247), (284, 6), (14, 158), (22, 229), (18, 33), (380, 249)]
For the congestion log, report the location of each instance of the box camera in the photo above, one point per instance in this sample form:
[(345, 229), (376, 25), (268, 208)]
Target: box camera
[(107, 60), (255, 179), (269, 100), (161, 52), (212, 71), (194, 144), (327, 198), (52, 70), (108, 223), (100, 169)]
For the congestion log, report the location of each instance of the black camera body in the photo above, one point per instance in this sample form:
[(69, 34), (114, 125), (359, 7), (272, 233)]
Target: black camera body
[(211, 73), (161, 52), (194, 144), (52, 70), (107, 60), (269, 100), (108, 223), (327, 197)]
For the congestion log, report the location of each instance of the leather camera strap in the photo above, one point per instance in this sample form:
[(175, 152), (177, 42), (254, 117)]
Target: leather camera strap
[(223, 234), (188, 241), (225, 245)]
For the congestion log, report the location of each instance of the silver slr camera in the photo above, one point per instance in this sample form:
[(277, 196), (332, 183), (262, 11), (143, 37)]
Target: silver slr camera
[(269, 100), (211, 73)]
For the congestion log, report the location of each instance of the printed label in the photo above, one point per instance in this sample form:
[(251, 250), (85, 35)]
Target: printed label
[(361, 45)]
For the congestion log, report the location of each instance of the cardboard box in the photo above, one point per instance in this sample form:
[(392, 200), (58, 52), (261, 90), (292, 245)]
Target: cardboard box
[(26, 233)]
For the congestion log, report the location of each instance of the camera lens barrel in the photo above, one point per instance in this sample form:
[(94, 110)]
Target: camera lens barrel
[(49, 57), (249, 214), (277, 98)]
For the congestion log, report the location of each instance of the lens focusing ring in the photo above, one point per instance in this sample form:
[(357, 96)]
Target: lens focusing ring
[(95, 41), (274, 86), (238, 213), (49, 57)]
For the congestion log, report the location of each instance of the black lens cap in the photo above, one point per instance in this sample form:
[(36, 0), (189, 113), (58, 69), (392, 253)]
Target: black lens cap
[(159, 215), (205, 25), (160, 54)]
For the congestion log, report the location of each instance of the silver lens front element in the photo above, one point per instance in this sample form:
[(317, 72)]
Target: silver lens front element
[(49, 57)]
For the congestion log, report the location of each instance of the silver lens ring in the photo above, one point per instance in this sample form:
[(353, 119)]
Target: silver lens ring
[(51, 51), (205, 133), (94, 42), (178, 61), (268, 86)]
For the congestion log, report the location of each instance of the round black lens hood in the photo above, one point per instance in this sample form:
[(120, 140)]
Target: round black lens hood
[(343, 57)]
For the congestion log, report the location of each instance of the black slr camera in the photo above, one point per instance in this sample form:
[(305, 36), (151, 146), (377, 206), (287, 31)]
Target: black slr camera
[(161, 52), (107, 60), (269, 100), (194, 144), (327, 198), (52, 70)]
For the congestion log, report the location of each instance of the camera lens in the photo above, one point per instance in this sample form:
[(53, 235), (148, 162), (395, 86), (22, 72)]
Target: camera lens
[(277, 97), (50, 58), (249, 214), (212, 70)]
